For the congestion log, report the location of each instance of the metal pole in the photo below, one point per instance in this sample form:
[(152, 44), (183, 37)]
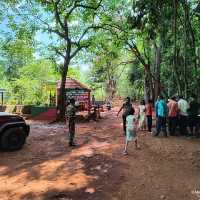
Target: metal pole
[(2, 98), (50, 98), (102, 91), (89, 103)]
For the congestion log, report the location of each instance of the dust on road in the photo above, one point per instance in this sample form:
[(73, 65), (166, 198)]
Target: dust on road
[(46, 168)]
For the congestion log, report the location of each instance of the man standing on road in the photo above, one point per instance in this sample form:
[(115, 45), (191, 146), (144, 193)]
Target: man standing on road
[(193, 115), (93, 100), (161, 114), (149, 113), (127, 106), (183, 107), (172, 115), (71, 116)]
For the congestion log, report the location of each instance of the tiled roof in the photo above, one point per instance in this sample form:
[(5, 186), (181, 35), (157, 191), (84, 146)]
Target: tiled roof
[(72, 83)]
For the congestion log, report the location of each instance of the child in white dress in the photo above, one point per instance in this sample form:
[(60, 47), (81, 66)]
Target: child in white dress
[(131, 127)]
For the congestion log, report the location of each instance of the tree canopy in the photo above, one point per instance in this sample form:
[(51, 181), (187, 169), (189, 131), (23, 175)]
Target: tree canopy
[(132, 47)]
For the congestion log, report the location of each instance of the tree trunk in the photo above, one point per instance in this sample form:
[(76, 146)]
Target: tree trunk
[(175, 67), (110, 89), (147, 88), (148, 82), (193, 40), (157, 70), (185, 49), (62, 92)]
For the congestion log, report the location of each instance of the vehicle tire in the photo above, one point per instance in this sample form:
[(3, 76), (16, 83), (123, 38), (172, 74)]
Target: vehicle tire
[(13, 139)]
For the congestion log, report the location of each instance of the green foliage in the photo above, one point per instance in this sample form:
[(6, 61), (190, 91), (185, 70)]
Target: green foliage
[(75, 73), (16, 51), (117, 38), (30, 88)]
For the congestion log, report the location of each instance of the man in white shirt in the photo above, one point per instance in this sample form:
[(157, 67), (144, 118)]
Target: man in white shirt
[(183, 107)]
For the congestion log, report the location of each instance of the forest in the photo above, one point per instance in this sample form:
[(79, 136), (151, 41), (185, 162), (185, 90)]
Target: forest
[(117, 47), (99, 99)]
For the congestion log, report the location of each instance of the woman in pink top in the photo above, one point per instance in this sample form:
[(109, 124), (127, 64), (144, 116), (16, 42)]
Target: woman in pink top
[(172, 115)]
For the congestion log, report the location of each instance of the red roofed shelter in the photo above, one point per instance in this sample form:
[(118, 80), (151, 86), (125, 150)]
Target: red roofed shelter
[(78, 91)]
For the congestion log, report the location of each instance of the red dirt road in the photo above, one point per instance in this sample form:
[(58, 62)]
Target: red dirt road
[(47, 169)]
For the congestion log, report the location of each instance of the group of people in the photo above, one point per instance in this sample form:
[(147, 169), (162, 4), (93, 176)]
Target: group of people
[(177, 112)]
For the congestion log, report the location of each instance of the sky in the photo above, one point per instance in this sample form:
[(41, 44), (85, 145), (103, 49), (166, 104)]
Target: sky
[(42, 38)]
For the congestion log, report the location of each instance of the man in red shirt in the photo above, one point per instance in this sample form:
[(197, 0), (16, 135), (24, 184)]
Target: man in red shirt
[(149, 111), (172, 115)]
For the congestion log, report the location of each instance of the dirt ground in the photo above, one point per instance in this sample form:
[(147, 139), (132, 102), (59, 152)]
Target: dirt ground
[(47, 169)]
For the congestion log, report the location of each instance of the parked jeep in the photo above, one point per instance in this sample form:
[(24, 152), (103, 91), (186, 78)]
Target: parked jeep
[(13, 131)]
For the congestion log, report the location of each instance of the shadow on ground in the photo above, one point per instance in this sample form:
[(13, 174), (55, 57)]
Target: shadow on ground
[(46, 168)]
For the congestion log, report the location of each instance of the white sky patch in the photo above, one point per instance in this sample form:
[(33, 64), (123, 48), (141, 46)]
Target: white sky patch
[(74, 23), (84, 67)]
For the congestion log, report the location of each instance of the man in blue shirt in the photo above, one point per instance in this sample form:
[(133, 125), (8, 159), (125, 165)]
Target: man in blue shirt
[(161, 115)]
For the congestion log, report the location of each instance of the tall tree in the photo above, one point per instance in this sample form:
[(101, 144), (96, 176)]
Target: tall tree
[(71, 23), (17, 51), (106, 62)]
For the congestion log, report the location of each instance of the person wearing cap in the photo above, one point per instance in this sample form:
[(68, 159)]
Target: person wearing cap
[(71, 116)]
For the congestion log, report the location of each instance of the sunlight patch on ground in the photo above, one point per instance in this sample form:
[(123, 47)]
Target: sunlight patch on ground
[(60, 174)]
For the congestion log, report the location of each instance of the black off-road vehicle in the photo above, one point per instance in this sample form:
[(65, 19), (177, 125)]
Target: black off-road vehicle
[(13, 131)]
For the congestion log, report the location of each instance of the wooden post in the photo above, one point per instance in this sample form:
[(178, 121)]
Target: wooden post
[(2, 98), (89, 103), (57, 94), (50, 98)]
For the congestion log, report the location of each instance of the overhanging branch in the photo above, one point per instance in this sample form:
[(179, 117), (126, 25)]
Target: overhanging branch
[(79, 47), (58, 51), (90, 7), (57, 15)]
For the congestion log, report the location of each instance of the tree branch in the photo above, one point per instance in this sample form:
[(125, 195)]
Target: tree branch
[(79, 47), (90, 7), (86, 31), (57, 15), (126, 62), (58, 52), (56, 32), (71, 10), (115, 26)]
